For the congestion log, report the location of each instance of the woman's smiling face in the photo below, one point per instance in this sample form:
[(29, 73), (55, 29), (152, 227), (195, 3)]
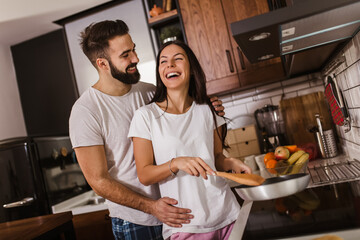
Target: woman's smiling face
[(174, 67)]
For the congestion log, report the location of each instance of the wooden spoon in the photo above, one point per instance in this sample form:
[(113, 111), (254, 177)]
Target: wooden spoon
[(243, 178)]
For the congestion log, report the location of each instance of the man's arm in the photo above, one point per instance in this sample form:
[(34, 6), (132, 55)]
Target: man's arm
[(92, 161), (217, 104)]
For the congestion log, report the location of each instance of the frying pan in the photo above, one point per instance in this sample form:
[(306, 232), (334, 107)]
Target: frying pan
[(272, 188)]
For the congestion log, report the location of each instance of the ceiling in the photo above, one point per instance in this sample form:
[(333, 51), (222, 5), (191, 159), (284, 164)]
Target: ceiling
[(21, 20)]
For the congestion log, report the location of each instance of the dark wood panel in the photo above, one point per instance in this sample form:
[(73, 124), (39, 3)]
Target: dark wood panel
[(46, 83), (93, 225), (299, 115)]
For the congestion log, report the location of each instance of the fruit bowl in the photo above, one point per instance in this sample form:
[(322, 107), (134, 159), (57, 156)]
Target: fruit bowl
[(284, 168)]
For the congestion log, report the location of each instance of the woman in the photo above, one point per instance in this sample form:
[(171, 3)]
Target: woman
[(178, 136)]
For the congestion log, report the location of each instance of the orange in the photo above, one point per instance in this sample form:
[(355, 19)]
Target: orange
[(269, 156), (292, 148), (270, 165)]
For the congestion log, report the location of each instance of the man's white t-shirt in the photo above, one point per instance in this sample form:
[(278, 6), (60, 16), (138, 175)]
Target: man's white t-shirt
[(100, 119), (190, 134)]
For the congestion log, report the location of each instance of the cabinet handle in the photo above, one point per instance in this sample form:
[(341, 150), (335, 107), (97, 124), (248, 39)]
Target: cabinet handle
[(231, 66), (23, 202), (241, 57)]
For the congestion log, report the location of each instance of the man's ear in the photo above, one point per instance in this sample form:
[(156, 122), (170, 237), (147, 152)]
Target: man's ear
[(102, 63)]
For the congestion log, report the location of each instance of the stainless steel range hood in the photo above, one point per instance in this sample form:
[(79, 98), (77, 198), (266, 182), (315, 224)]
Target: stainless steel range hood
[(304, 35)]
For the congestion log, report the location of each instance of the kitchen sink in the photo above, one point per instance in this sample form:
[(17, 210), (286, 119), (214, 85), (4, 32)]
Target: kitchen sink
[(83, 203)]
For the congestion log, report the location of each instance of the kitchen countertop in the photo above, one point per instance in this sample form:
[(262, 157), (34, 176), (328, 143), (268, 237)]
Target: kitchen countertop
[(47, 227)]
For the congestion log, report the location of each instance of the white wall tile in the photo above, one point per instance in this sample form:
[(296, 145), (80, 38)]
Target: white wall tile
[(265, 88), (357, 45), (270, 94), (311, 90), (296, 87), (296, 80), (276, 100), (347, 98), (290, 95), (349, 52), (356, 135), (341, 80), (253, 106), (355, 96), (226, 98), (235, 111), (355, 117), (243, 94), (353, 75), (227, 105), (316, 82), (243, 100)]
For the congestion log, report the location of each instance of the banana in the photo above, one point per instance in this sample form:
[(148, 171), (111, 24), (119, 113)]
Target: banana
[(299, 164), (295, 156)]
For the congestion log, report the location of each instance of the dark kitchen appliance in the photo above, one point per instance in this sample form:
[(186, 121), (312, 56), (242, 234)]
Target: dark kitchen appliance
[(271, 125), (304, 34), (35, 174)]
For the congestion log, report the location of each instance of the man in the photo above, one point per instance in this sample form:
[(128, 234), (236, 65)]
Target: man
[(99, 125)]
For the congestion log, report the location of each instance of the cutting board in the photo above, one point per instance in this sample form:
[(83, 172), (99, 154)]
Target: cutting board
[(299, 116)]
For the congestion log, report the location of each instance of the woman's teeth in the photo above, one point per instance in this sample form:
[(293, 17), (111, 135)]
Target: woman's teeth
[(173, 74)]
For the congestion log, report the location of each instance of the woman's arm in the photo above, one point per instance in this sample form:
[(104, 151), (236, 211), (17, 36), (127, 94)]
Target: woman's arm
[(149, 173), (223, 163)]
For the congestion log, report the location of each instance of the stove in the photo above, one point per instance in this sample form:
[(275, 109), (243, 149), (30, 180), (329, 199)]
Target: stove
[(333, 170), (330, 203)]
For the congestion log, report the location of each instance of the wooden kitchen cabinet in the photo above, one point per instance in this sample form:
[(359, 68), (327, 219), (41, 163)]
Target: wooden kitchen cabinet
[(242, 142), (207, 28), (93, 225)]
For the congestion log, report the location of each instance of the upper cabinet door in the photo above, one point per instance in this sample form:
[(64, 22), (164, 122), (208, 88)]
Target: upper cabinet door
[(207, 34)]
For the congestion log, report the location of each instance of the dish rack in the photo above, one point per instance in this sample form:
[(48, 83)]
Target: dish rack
[(331, 172)]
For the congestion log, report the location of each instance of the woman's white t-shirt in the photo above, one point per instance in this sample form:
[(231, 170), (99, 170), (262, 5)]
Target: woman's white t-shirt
[(190, 134)]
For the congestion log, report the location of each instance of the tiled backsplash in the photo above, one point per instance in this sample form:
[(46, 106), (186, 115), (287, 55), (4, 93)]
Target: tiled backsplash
[(240, 106), (348, 77)]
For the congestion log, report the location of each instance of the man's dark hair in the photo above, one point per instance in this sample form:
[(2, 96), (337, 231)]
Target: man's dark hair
[(197, 84), (95, 38)]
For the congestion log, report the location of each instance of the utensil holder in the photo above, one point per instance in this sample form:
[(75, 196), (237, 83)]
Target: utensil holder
[(327, 144)]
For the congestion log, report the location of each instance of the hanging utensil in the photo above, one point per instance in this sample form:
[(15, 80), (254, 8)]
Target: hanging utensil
[(337, 104), (242, 178)]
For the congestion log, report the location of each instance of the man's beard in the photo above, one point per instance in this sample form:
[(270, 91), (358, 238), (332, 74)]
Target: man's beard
[(124, 77)]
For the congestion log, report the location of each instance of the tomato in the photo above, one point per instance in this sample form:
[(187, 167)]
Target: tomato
[(269, 156)]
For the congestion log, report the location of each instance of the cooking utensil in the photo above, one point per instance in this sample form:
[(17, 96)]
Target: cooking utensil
[(242, 178), (322, 143), (275, 187), (272, 188)]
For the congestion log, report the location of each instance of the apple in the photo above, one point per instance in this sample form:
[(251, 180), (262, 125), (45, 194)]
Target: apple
[(282, 153)]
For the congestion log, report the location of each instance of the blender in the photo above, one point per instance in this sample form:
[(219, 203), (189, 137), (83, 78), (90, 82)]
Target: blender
[(272, 127)]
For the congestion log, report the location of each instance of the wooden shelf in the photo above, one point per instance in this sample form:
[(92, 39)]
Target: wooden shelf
[(163, 17)]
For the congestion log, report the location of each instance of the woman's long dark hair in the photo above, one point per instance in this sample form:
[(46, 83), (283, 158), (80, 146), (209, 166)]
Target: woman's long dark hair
[(197, 85)]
